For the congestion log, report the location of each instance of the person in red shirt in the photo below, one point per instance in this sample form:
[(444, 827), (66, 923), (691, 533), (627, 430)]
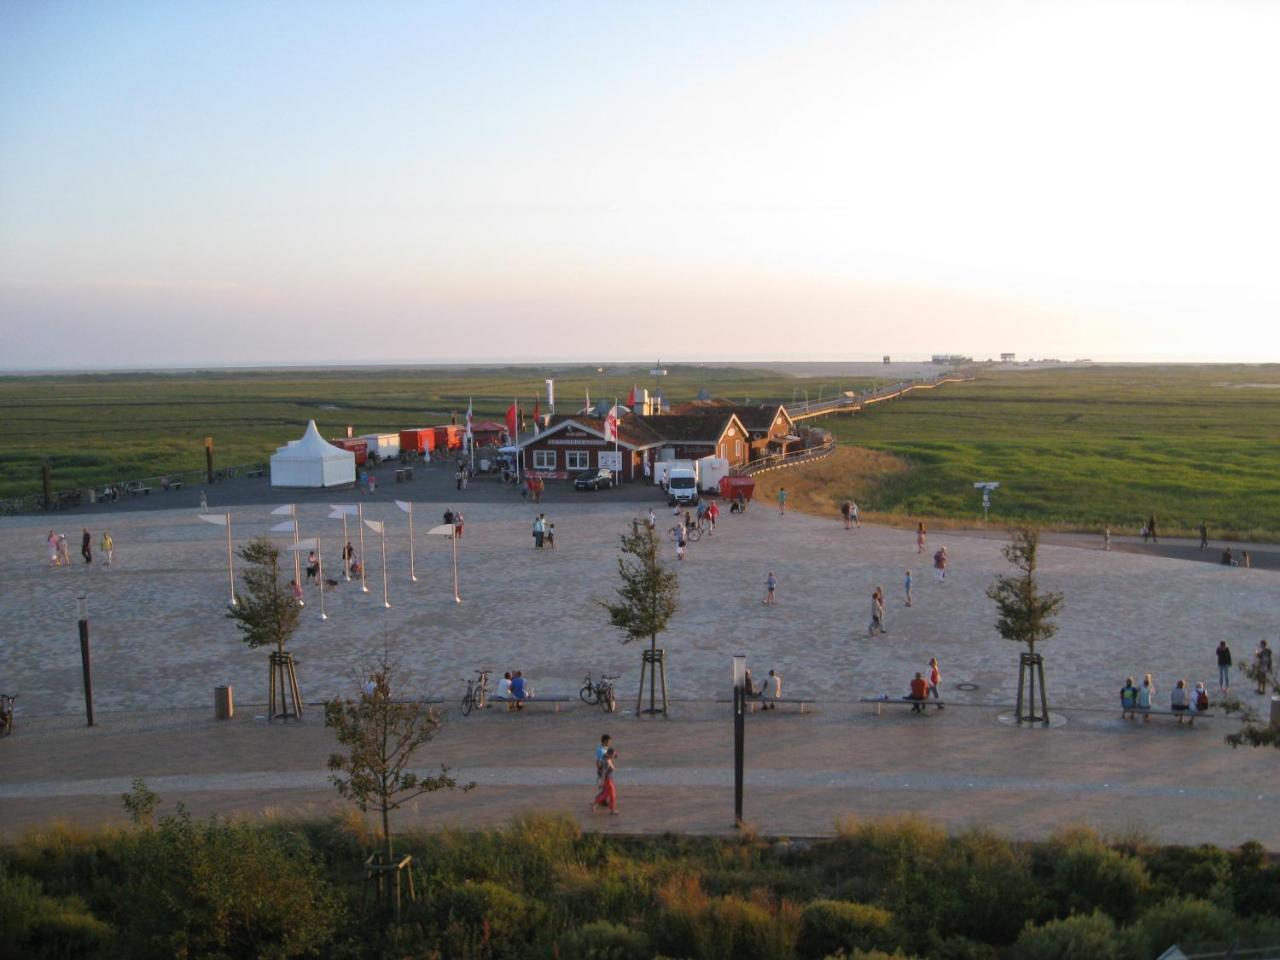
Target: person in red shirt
[(919, 692)]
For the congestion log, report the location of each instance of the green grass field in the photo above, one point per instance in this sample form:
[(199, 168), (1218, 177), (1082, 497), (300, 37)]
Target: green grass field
[(1081, 447), (106, 428)]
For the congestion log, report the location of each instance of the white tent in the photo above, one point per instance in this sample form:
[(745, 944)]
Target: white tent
[(312, 462)]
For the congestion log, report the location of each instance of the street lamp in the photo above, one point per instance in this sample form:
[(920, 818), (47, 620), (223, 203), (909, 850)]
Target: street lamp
[(82, 613), (739, 731)]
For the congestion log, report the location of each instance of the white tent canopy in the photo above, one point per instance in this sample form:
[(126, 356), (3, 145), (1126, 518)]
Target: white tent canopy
[(312, 462)]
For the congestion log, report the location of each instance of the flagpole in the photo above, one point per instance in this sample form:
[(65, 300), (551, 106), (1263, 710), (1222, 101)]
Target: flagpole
[(364, 561), (297, 561), (346, 560), (231, 570), (515, 436), (454, 538), (385, 601), (320, 577), (471, 438), (413, 574)]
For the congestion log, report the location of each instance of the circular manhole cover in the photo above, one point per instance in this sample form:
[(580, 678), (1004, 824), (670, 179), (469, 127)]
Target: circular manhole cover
[(966, 686)]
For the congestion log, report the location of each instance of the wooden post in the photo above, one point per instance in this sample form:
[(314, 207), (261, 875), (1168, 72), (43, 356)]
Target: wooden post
[(208, 457)]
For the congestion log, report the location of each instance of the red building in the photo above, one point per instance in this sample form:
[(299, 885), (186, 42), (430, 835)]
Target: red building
[(572, 444)]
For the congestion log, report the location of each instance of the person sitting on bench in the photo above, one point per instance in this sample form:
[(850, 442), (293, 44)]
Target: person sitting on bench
[(519, 689), (1128, 699), (919, 693), (1179, 699)]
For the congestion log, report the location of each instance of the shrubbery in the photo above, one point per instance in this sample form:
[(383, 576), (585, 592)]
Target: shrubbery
[(540, 888)]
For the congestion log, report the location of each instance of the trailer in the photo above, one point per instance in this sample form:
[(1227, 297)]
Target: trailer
[(357, 445), (733, 487), (418, 440), (711, 470), (448, 437), (385, 445)]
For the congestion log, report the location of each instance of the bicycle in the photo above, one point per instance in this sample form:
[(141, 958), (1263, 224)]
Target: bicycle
[(599, 692), (477, 693), (6, 714)]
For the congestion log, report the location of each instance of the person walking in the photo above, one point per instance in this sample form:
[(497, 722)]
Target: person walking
[(906, 586), (1262, 663), (108, 547), (782, 500), (921, 534), (204, 500), (846, 512), (713, 514), (877, 614), (770, 586), (52, 541), (935, 678), (853, 512), (608, 795), (606, 743), (458, 521), (1204, 536), (64, 555), (539, 532), (1224, 666), (940, 564), (1106, 538), (678, 532), (86, 546), (313, 568), (1151, 528)]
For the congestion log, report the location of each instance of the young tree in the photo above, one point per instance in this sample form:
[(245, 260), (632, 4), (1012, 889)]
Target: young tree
[(267, 614), (381, 736), (1025, 616), (1255, 729), (646, 602)]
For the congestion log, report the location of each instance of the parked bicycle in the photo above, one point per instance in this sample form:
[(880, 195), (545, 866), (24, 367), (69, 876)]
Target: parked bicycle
[(477, 692), (6, 714), (599, 692)]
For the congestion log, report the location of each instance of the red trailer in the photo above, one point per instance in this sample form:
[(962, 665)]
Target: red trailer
[(359, 447), (449, 437), (731, 487), (417, 440)]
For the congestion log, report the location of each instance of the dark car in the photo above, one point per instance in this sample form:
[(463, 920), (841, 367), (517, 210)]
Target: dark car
[(593, 479)]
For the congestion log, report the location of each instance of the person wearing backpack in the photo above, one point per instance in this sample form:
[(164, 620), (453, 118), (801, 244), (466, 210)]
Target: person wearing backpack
[(1200, 698), (1224, 666), (1128, 699)]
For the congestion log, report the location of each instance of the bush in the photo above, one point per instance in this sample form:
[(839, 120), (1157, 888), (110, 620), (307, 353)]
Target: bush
[(1203, 872), (724, 928), (1179, 920), (1080, 937), (486, 921), (1088, 875), (827, 926), (1255, 885), (604, 941), (36, 926)]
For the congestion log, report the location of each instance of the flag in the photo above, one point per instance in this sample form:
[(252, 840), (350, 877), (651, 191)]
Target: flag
[(587, 408), (405, 506), (350, 509), (551, 396), (444, 530), (219, 519), (511, 421), (631, 397), (537, 415), (468, 422), (338, 515), (287, 510), (611, 424), (374, 525), (286, 527)]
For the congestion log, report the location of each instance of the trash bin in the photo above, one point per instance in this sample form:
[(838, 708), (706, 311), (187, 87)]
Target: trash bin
[(1275, 712), (224, 707)]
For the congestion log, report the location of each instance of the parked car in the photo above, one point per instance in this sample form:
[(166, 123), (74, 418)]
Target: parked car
[(593, 479)]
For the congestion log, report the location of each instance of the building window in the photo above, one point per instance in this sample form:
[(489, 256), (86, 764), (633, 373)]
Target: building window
[(544, 459), (577, 460)]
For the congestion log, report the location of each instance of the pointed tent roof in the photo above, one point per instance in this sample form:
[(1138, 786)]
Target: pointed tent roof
[(311, 446)]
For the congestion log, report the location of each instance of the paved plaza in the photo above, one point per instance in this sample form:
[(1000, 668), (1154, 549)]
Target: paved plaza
[(161, 643)]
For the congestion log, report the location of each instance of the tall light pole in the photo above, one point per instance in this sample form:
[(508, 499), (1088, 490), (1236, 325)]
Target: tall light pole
[(82, 611), (739, 732)]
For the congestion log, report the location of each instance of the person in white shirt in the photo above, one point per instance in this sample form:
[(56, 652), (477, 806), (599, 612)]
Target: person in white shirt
[(1179, 700)]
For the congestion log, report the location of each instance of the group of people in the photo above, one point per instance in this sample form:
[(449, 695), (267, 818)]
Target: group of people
[(514, 689), (768, 691), (1135, 699), (922, 688), (544, 533), (60, 556), (849, 513)]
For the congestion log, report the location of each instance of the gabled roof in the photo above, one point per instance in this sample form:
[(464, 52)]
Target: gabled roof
[(707, 427), (311, 446), (633, 432), (759, 419)]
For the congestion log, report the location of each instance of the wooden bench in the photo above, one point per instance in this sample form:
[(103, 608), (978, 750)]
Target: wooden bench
[(528, 700), (901, 702), (754, 702), (1191, 715)]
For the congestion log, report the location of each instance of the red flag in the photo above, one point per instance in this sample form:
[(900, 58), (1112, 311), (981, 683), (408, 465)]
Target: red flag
[(536, 415), (611, 424), (511, 421), (631, 397)]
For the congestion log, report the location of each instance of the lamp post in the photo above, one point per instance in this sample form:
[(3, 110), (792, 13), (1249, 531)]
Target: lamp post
[(82, 611), (739, 732), (450, 531)]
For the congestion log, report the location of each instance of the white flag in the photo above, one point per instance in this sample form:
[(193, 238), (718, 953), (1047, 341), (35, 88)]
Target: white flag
[(288, 510), (551, 395), (338, 515), (286, 527), (611, 424), (468, 419), (304, 546), (444, 530), (405, 506), (374, 525), (350, 509), (217, 519)]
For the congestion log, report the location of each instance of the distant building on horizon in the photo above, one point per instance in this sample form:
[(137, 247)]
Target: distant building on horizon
[(1007, 357), (950, 359)]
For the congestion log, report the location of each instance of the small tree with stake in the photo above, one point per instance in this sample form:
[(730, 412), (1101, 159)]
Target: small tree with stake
[(646, 603), (380, 736), (267, 615), (1026, 616), (1255, 729)]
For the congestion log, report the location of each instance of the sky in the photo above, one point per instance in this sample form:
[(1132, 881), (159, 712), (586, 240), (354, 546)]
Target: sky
[(194, 183)]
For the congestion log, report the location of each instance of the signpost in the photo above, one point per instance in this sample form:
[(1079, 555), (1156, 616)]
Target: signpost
[(986, 487)]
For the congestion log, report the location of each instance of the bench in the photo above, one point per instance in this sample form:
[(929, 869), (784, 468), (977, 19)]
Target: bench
[(256, 473), (1191, 715), (901, 702), (133, 489), (528, 700), (754, 702)]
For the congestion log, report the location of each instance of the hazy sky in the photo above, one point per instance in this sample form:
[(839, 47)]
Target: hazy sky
[(190, 182)]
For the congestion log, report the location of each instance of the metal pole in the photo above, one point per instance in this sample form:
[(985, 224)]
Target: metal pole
[(385, 601), (739, 734), (231, 570), (297, 560), (454, 539), (346, 559), (364, 561), (83, 604), (413, 575), (320, 577)]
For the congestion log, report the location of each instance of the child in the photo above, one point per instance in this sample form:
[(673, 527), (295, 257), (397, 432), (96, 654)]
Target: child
[(907, 586), (770, 585), (551, 535)]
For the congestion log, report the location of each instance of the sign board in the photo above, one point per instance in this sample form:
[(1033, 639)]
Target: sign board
[(611, 460)]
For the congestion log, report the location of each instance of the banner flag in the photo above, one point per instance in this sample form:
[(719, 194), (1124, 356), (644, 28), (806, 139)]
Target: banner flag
[(219, 519), (338, 515), (374, 525), (631, 398), (551, 395), (405, 506), (444, 530), (611, 424), (350, 509), (287, 510), (511, 421), (286, 527)]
